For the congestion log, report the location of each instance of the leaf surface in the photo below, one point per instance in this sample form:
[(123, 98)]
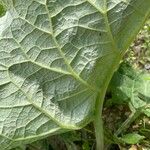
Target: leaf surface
[(131, 85), (132, 138), (56, 56)]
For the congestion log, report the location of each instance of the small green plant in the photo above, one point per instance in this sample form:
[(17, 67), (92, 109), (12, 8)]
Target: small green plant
[(130, 86), (57, 58)]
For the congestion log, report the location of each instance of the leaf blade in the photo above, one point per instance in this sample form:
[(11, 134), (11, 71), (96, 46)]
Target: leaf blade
[(50, 66)]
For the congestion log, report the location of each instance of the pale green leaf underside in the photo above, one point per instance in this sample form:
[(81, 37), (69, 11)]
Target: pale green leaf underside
[(55, 57)]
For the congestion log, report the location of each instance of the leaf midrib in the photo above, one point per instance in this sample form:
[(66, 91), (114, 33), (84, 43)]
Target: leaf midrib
[(76, 76), (71, 70)]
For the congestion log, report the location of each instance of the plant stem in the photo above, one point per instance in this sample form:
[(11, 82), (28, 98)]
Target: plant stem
[(128, 122), (98, 123)]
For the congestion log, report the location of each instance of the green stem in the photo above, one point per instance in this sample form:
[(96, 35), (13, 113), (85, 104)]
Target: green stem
[(128, 122), (98, 123)]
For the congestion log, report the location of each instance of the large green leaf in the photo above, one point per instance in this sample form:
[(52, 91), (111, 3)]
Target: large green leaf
[(122, 85), (132, 86), (56, 58)]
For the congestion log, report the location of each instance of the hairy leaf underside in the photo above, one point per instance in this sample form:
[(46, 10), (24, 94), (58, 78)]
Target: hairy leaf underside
[(55, 58)]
